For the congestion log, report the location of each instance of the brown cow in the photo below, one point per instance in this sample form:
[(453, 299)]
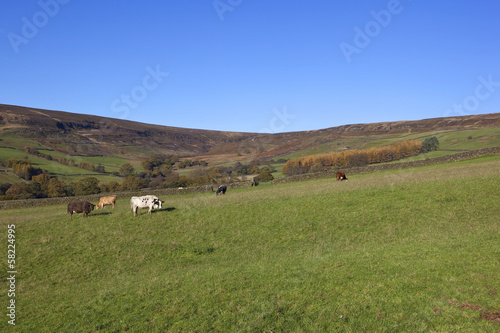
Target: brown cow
[(106, 201), (79, 207), (341, 176)]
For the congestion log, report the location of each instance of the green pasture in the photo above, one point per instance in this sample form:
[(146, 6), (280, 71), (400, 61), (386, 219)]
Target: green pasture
[(61, 171), (8, 177), (413, 250), (110, 163), (451, 142), (16, 141), (51, 166)]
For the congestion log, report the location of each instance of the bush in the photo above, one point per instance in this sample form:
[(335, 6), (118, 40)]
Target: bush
[(352, 158), (4, 187), (56, 188), (20, 191), (126, 170), (88, 185), (430, 144), (264, 176), (132, 183)]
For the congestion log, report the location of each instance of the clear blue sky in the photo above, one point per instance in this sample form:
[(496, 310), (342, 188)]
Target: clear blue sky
[(252, 65)]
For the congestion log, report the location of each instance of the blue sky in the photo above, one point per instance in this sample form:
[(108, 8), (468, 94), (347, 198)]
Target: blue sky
[(252, 66)]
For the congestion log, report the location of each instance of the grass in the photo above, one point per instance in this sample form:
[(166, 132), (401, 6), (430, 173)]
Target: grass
[(450, 141), (110, 163), (61, 171), (412, 250)]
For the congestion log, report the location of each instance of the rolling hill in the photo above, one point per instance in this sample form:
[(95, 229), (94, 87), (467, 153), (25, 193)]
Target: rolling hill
[(78, 134), (113, 142)]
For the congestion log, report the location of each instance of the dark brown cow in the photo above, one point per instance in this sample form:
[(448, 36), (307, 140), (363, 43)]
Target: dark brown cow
[(80, 207), (341, 176)]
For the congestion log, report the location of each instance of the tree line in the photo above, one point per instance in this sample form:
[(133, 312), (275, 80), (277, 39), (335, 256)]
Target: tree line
[(157, 172), (356, 158), (89, 166)]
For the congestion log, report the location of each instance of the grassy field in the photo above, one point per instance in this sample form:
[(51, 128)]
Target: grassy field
[(61, 171), (451, 142), (414, 250)]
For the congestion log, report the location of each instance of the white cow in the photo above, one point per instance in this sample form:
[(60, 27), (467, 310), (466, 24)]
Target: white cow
[(147, 201)]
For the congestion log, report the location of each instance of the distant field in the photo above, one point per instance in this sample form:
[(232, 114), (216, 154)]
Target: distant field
[(110, 163), (64, 172), (413, 250), (450, 141), (8, 177), (17, 142)]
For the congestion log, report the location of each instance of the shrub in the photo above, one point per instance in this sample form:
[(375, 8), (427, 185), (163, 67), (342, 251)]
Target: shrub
[(264, 176), (88, 185), (4, 187), (430, 144), (352, 158), (56, 188), (20, 191), (126, 170), (132, 183)]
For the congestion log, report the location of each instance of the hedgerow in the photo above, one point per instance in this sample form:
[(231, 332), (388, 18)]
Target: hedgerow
[(352, 158)]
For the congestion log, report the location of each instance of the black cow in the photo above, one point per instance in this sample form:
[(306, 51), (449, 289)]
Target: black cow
[(80, 207), (222, 189)]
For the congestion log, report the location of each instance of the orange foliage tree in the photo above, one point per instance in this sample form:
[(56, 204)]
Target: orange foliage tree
[(353, 158)]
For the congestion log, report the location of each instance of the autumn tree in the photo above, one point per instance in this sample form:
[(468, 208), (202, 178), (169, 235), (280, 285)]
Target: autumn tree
[(88, 185), (56, 188), (126, 170), (20, 191), (42, 179), (264, 176), (111, 186), (132, 183)]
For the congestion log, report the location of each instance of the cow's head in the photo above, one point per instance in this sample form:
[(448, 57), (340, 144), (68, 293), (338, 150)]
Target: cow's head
[(157, 203)]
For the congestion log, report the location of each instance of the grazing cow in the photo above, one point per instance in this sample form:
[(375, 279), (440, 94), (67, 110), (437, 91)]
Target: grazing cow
[(147, 201), (79, 207), (222, 189), (341, 176), (106, 201)]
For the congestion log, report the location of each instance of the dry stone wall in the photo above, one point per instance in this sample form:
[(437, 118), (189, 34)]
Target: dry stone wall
[(94, 198), (211, 188)]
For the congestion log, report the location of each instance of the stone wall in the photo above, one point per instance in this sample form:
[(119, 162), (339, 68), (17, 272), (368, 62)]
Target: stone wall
[(94, 198), (392, 166), (212, 188)]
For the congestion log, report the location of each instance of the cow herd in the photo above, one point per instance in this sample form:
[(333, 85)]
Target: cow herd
[(85, 207), (147, 201)]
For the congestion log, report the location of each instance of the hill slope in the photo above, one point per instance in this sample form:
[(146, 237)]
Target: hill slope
[(88, 135)]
